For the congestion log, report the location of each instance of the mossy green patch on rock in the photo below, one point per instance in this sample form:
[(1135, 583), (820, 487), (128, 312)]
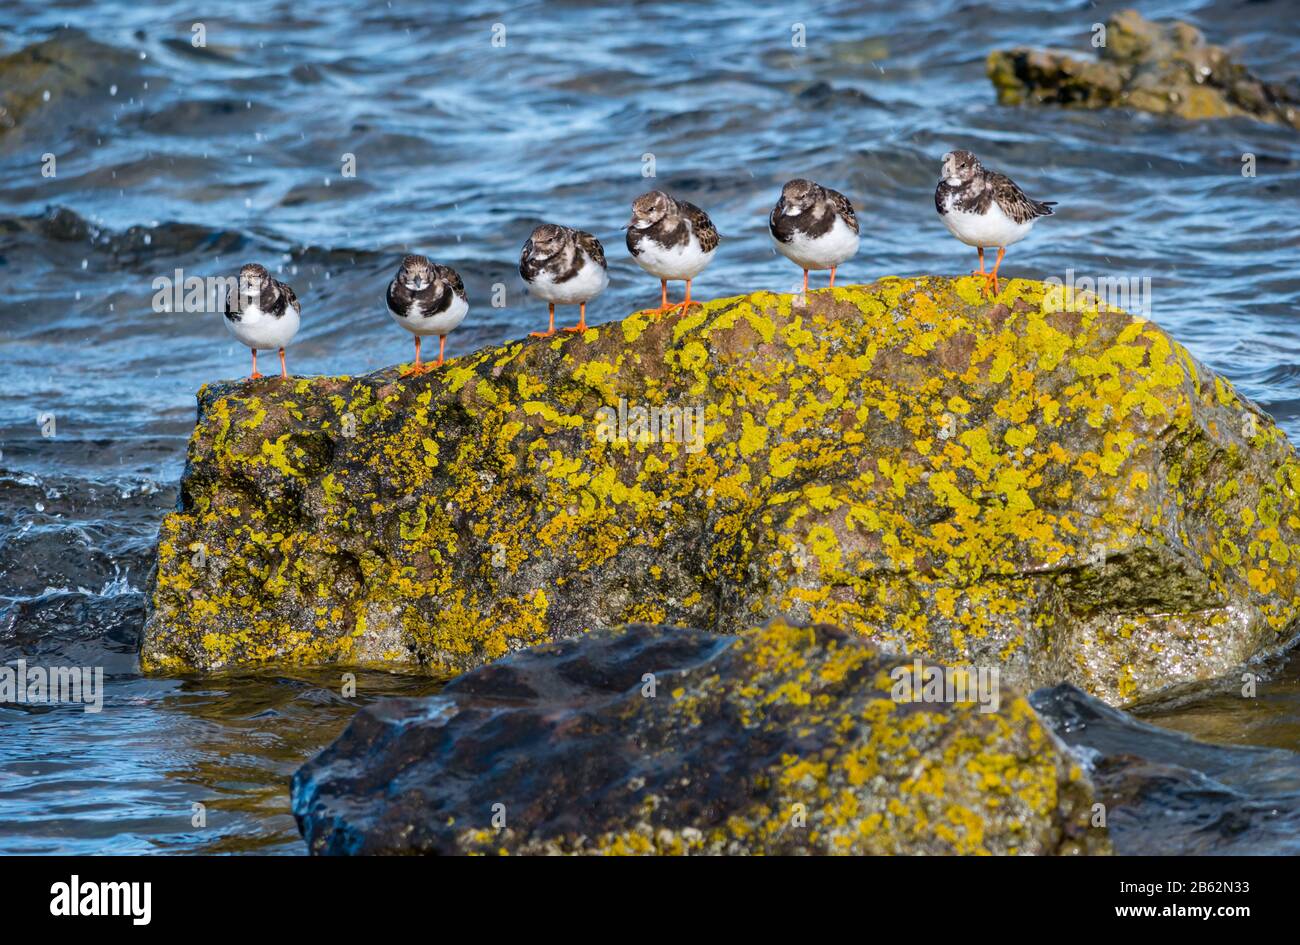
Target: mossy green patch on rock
[(784, 739), (1040, 483)]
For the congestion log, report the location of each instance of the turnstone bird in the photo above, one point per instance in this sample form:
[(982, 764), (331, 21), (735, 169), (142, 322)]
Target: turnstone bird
[(263, 313), (814, 227), (983, 208), (671, 239), (564, 267), (427, 299)]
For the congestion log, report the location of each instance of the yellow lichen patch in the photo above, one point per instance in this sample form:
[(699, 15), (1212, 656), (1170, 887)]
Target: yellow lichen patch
[(904, 459), (846, 766)]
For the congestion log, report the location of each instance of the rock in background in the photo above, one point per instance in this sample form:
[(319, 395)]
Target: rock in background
[(1165, 68), (68, 72), (1037, 484), (783, 740)]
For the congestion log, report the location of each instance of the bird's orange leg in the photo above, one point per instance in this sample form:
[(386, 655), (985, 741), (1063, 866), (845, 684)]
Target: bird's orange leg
[(805, 282), (988, 278), (687, 302), (663, 297), (254, 376), (417, 368), (833, 277), (549, 331), (582, 318), (442, 344), (284, 371), (1002, 251)]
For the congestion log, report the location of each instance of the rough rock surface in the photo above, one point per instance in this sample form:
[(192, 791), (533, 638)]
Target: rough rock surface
[(1036, 483), (1165, 68), (781, 740)]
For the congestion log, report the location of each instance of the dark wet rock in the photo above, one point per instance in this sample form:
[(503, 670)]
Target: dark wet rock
[(73, 628), (782, 740), (55, 73), (1170, 795), (1167, 68), (1041, 484), (68, 570), (132, 246), (823, 95)]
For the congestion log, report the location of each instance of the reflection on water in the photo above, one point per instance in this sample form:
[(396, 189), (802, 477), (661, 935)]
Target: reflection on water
[(126, 780), (1230, 714)]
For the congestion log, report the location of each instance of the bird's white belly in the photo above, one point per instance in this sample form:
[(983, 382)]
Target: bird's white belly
[(823, 252), (680, 262), (993, 228), (257, 329), (440, 324), (586, 285)]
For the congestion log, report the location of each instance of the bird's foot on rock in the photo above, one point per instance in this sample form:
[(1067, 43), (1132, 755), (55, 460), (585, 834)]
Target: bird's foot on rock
[(991, 287)]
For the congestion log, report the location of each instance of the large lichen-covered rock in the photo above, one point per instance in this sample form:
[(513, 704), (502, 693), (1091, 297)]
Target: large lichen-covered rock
[(1036, 483), (787, 740), (1165, 68)]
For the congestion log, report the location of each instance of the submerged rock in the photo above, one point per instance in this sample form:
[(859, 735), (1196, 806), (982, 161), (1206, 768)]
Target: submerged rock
[(1038, 484), (50, 74), (663, 740), (1165, 68)]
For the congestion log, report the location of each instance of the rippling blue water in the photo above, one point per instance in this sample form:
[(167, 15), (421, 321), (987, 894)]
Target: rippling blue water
[(200, 159)]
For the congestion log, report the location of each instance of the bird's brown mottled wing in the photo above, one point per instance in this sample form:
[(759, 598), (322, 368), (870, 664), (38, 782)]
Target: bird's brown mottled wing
[(1013, 200), (290, 298), (591, 246), (452, 278), (844, 208), (704, 229)]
